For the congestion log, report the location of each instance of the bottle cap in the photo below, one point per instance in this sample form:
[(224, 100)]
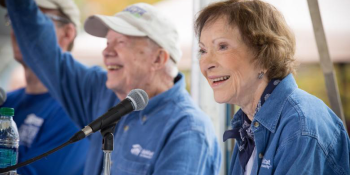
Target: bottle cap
[(7, 112)]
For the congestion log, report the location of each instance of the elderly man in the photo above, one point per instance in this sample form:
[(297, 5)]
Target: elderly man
[(42, 122), (170, 136)]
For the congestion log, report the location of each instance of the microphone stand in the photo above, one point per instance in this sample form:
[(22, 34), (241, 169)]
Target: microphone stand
[(107, 147)]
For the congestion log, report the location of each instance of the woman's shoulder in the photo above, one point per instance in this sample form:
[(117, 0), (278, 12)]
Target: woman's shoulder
[(312, 112), (309, 116)]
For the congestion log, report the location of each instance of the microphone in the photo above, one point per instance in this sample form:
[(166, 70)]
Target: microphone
[(136, 100), (2, 96)]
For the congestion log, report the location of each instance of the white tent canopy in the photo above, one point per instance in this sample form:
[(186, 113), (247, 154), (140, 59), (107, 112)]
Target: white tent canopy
[(335, 16)]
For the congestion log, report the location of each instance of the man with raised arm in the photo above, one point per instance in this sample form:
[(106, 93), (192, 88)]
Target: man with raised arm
[(41, 120), (170, 136)]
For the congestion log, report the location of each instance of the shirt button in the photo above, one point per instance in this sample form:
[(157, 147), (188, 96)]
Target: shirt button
[(261, 155), (126, 127), (144, 118), (256, 124)]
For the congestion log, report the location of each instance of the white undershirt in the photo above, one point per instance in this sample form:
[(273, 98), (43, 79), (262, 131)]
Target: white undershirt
[(249, 166)]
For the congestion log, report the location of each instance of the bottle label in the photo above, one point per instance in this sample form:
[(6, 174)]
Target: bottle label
[(8, 156)]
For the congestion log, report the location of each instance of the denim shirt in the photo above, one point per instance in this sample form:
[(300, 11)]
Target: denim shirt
[(170, 136), (296, 133)]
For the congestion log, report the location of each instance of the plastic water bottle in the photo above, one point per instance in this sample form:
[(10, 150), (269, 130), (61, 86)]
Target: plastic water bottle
[(9, 139)]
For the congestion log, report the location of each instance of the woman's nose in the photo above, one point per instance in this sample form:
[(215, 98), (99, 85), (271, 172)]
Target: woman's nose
[(208, 63)]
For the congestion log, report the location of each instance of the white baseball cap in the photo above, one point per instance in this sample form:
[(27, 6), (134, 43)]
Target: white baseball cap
[(140, 20), (68, 7)]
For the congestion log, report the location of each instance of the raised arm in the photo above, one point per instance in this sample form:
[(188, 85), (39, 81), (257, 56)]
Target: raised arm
[(74, 85)]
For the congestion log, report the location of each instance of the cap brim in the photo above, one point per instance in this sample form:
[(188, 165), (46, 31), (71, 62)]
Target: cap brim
[(98, 25)]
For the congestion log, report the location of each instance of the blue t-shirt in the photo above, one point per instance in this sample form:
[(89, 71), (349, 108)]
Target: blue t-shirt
[(170, 136), (43, 125)]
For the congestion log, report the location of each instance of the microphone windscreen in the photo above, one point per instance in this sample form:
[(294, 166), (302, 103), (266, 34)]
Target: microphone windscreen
[(2, 96), (139, 99)]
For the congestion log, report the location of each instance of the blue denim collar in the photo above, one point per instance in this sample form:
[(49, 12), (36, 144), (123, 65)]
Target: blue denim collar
[(179, 85), (270, 112)]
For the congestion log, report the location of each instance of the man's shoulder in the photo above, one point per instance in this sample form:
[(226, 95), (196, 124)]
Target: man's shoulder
[(15, 93), (187, 115), (183, 105)]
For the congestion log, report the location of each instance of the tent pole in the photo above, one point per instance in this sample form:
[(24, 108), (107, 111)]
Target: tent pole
[(325, 60)]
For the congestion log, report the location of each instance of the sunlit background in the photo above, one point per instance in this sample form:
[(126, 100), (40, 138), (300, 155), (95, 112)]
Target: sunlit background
[(336, 22)]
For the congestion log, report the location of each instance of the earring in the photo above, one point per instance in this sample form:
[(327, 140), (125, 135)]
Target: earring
[(260, 75)]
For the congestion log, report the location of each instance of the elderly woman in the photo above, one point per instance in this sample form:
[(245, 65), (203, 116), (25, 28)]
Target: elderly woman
[(246, 54)]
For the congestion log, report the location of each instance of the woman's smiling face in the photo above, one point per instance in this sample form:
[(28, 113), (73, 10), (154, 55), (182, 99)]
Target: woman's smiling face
[(227, 62)]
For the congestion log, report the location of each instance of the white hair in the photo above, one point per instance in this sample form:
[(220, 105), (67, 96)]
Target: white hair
[(171, 68)]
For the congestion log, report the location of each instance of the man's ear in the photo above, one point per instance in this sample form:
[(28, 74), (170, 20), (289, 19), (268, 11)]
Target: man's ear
[(160, 60), (67, 35)]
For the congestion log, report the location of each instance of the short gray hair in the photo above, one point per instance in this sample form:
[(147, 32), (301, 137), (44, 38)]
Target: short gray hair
[(171, 68)]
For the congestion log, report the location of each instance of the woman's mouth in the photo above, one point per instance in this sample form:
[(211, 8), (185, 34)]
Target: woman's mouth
[(219, 80)]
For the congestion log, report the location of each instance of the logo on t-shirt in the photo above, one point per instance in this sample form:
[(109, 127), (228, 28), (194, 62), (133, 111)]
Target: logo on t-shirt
[(266, 164), (137, 150), (29, 129)]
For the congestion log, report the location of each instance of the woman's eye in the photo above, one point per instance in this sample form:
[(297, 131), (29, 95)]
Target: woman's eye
[(222, 46), (201, 51)]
